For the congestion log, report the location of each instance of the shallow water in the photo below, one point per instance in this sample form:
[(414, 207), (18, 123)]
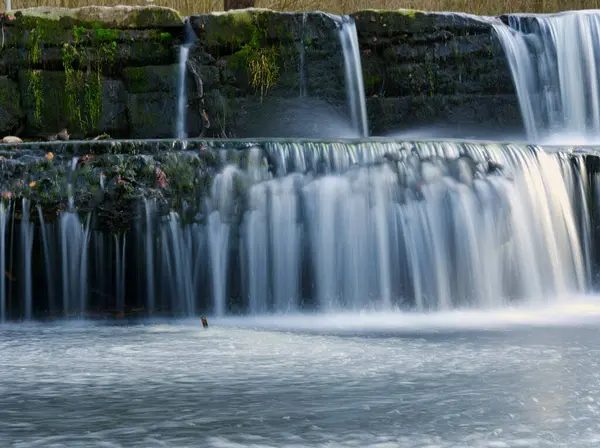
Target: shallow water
[(516, 378)]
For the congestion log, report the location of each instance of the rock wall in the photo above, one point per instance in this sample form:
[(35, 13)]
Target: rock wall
[(436, 69), (251, 73), (85, 70), (418, 69)]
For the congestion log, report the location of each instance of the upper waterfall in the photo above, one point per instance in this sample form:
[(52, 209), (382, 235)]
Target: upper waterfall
[(355, 89), (554, 64), (182, 98)]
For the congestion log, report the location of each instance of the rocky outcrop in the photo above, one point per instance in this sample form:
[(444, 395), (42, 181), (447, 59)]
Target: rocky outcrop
[(66, 68), (257, 61), (251, 73), (419, 69), (432, 69)]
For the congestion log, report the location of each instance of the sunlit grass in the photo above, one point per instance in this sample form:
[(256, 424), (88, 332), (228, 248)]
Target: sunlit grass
[(485, 7)]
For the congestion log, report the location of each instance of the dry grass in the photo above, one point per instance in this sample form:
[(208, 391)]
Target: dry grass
[(484, 7)]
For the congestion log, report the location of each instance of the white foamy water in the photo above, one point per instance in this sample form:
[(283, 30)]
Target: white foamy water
[(396, 380)]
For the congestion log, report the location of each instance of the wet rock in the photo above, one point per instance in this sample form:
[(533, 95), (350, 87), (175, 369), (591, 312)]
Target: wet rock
[(10, 106)]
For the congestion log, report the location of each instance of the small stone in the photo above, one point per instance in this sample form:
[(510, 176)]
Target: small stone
[(11, 139), (63, 135)]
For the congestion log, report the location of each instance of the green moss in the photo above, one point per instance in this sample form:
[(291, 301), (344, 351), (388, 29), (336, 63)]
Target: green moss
[(81, 88), (372, 82), (36, 90), (412, 13), (409, 12), (78, 31), (261, 63), (166, 37), (108, 52), (104, 35), (93, 99), (41, 32), (73, 83), (35, 45)]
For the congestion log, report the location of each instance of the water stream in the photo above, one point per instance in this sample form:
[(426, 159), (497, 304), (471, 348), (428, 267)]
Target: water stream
[(355, 90), (182, 100), (554, 64)]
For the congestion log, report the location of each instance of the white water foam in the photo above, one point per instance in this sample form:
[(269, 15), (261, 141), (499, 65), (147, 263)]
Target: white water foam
[(574, 310)]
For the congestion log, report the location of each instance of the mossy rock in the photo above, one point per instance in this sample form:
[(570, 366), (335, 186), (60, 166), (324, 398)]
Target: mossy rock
[(121, 17), (233, 29), (396, 23), (152, 114), (160, 78), (10, 105), (51, 106)]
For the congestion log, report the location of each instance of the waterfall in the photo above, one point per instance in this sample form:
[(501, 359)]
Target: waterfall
[(4, 216), (184, 51), (330, 226), (26, 248), (48, 255), (74, 239), (554, 64), (148, 245), (355, 90), (426, 226), (120, 269), (302, 51)]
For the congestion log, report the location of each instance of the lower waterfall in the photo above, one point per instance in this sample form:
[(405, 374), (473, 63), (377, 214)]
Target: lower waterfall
[(286, 227), (426, 226)]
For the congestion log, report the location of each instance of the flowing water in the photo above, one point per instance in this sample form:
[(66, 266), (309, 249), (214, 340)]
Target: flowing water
[(380, 380), (361, 294), (355, 90), (554, 63), (184, 52), (370, 225), (429, 226)]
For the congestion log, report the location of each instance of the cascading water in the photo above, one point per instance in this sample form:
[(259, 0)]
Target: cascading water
[(120, 269), (4, 217), (428, 226), (184, 52), (26, 248), (554, 64), (302, 68), (355, 91)]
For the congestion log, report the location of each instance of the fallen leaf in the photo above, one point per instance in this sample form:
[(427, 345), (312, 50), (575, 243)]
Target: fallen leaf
[(49, 156), (32, 184), (161, 178)]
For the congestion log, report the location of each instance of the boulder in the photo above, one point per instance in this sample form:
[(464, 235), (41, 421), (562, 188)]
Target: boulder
[(11, 139), (122, 17)]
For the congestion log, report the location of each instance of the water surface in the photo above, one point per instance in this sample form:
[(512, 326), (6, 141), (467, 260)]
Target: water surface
[(515, 378)]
